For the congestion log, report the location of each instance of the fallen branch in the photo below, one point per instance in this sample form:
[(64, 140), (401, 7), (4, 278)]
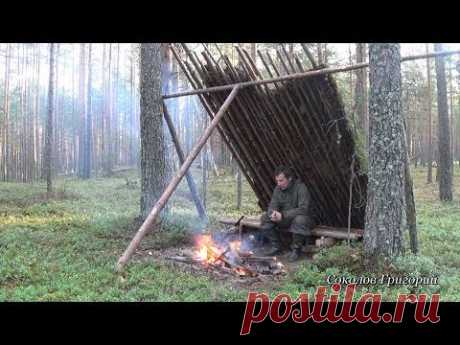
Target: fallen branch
[(261, 258), (183, 259)]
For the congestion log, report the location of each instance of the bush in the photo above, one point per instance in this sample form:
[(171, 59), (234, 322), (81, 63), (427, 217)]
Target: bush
[(415, 265), (340, 256)]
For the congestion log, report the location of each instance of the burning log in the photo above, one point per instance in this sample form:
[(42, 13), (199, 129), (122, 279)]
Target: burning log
[(238, 268), (241, 262)]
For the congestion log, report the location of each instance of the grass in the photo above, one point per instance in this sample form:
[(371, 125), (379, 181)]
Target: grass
[(65, 248)]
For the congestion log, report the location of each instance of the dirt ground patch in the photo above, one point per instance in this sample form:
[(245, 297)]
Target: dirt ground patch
[(260, 282)]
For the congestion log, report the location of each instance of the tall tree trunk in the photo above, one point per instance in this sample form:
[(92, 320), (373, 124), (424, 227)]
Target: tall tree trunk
[(457, 123), (204, 164), (352, 107), (74, 118), (115, 110), (82, 108), (386, 200), (36, 117), (89, 122), (6, 109), (56, 138), (445, 154), (174, 102), (60, 109), (22, 127), (132, 113), (361, 92), (254, 53), (325, 53), (166, 75), (108, 132), (452, 116), (319, 50), (411, 214), (3, 128), (430, 121), (153, 167), (49, 126), (104, 111)]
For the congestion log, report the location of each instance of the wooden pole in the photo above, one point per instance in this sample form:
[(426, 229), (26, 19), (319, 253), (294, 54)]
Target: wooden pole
[(301, 75), (149, 221), (191, 183)]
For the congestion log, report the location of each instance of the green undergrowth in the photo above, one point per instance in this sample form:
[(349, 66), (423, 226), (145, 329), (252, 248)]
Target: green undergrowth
[(65, 248)]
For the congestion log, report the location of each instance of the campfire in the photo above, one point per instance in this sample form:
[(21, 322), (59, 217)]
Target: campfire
[(231, 257), (234, 255)]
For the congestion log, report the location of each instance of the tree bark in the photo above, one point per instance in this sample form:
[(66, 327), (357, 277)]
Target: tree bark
[(153, 167), (445, 154), (386, 198)]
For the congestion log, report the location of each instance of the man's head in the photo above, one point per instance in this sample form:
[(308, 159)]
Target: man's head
[(283, 176)]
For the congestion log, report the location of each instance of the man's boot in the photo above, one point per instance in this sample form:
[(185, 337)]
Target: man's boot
[(271, 233), (296, 247)]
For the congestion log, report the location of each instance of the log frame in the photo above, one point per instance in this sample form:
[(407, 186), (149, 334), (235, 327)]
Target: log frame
[(159, 205), (311, 73)]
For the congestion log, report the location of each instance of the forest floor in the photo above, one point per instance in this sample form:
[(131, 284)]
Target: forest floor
[(65, 249)]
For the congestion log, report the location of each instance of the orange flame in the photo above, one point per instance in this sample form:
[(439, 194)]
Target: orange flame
[(207, 251)]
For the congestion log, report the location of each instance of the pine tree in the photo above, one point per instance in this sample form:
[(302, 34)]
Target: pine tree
[(386, 199), (153, 167)]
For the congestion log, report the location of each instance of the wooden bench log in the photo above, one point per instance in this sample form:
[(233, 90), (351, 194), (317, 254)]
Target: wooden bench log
[(318, 231)]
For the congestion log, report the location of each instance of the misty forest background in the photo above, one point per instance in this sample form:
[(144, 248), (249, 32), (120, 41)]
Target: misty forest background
[(61, 243)]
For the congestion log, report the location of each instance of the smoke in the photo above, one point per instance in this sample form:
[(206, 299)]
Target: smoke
[(187, 115)]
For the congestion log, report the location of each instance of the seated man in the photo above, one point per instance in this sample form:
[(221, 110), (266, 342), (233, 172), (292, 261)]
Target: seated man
[(289, 210)]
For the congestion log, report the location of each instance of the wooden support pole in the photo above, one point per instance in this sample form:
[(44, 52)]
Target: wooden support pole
[(149, 221), (191, 183), (301, 75)]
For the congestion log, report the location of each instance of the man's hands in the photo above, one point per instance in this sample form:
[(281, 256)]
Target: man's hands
[(276, 216)]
